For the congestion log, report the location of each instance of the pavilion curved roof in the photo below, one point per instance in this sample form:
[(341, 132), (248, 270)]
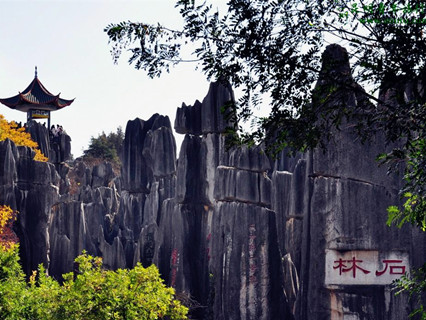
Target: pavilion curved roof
[(36, 96)]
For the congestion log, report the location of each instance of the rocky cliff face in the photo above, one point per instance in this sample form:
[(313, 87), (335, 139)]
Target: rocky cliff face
[(31, 187), (56, 150), (237, 234), (344, 224)]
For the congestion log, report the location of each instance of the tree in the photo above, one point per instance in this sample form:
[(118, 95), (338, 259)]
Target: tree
[(107, 147), (7, 237), (273, 48)]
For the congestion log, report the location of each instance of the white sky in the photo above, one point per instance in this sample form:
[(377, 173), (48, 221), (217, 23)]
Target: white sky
[(65, 40)]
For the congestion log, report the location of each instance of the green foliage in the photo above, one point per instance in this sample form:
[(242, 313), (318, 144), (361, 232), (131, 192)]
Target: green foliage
[(106, 147), (412, 212), (414, 208), (415, 284), (13, 288), (91, 293)]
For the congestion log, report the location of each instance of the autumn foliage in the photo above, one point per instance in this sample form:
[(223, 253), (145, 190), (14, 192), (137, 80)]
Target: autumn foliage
[(7, 237), (10, 130)]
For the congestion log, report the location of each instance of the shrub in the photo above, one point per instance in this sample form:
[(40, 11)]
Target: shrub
[(89, 293)]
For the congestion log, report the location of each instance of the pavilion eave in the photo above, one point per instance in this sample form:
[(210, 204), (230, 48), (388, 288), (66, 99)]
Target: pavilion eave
[(26, 107)]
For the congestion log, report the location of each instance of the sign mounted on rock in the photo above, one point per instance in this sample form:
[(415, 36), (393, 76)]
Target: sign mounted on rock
[(364, 267)]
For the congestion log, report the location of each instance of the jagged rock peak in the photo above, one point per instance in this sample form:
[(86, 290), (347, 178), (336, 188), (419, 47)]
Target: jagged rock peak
[(335, 63), (205, 117), (149, 151), (57, 149), (188, 119), (40, 134)]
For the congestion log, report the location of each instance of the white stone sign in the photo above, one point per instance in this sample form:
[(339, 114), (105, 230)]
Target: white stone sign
[(364, 267)]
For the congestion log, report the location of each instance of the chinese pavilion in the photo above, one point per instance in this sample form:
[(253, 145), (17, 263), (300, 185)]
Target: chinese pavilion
[(36, 101)]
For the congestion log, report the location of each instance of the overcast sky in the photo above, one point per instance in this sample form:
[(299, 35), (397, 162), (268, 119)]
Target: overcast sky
[(65, 40)]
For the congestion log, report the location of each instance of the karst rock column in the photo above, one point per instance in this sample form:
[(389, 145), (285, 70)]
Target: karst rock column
[(349, 255)]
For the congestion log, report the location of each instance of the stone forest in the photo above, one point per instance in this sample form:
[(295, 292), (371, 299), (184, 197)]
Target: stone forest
[(242, 235)]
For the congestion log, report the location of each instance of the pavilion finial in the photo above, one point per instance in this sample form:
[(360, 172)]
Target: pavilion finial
[(35, 71)]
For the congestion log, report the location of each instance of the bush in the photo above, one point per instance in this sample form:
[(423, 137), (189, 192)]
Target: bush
[(89, 293)]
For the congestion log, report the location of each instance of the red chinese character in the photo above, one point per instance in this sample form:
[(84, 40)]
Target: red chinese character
[(175, 257), (344, 268), (392, 269), (340, 265)]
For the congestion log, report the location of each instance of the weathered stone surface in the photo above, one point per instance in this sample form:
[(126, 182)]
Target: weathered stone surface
[(65, 148), (245, 263), (293, 240), (205, 117), (212, 148), (181, 251), (347, 197), (243, 185), (57, 150), (253, 159), (281, 193), (225, 188), (149, 241), (191, 183), (284, 162), (335, 64), (160, 151), (298, 197), (162, 189), (8, 167), (184, 253), (188, 119), (247, 186), (34, 206), (29, 187), (344, 162), (68, 234), (212, 119), (145, 141), (291, 281), (40, 134), (60, 149), (102, 175)]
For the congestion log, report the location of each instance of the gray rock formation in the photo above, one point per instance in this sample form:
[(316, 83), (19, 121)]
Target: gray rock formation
[(206, 117), (239, 235), (57, 149), (344, 211), (112, 217), (31, 187)]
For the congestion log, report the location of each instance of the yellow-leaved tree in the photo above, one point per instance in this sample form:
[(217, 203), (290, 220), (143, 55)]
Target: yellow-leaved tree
[(20, 137), (7, 237)]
